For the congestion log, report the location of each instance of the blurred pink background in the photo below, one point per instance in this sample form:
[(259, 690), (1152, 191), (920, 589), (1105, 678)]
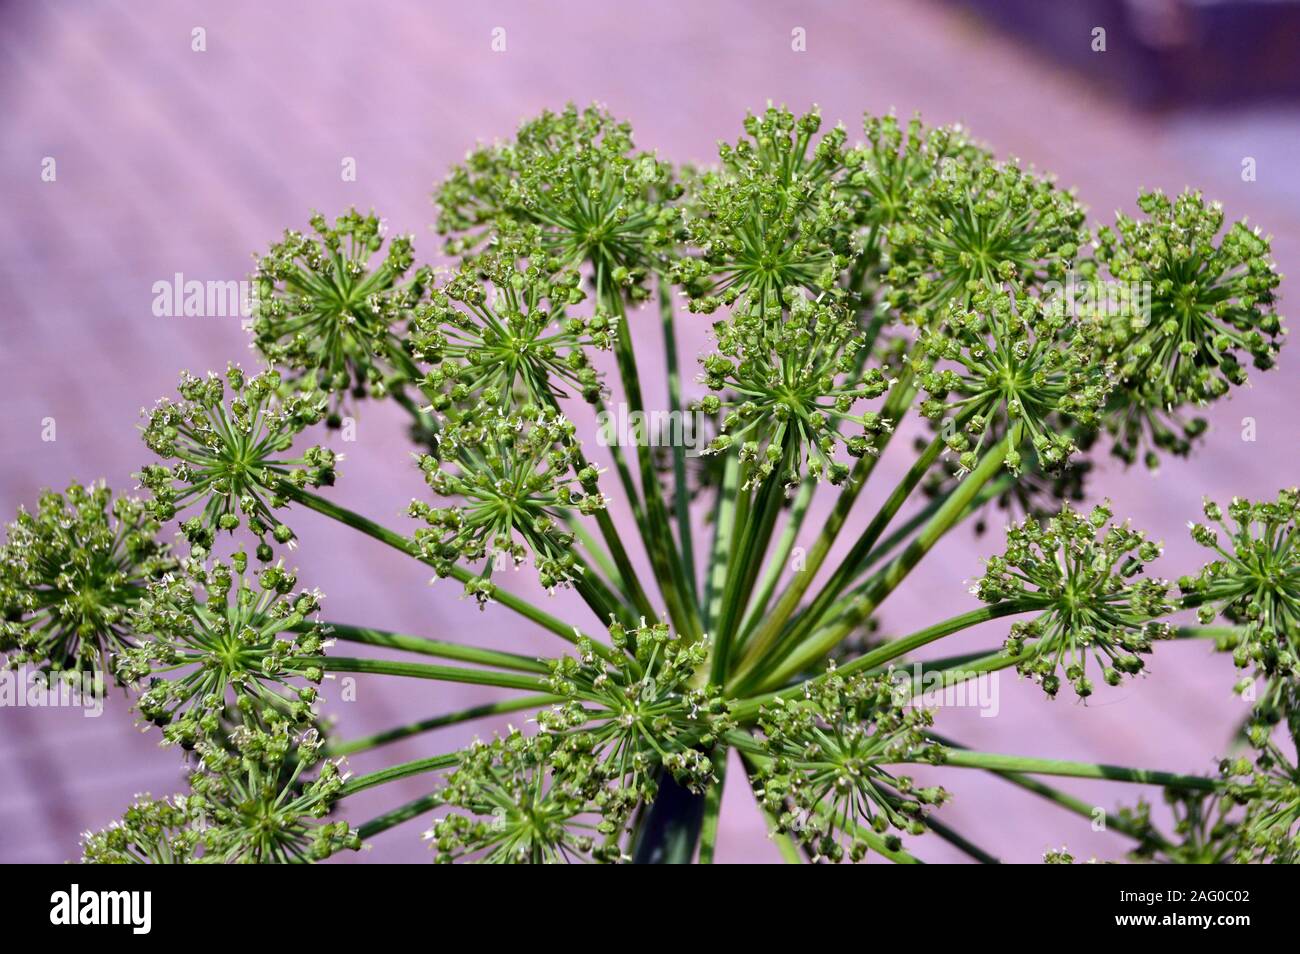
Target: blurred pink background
[(170, 160)]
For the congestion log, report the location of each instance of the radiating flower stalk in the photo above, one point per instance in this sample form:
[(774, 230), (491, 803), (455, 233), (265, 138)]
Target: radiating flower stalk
[(907, 283)]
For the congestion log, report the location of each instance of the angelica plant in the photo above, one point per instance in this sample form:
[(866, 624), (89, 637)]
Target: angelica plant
[(911, 282)]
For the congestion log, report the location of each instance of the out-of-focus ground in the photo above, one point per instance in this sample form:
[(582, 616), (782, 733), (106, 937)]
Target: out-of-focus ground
[(170, 160)]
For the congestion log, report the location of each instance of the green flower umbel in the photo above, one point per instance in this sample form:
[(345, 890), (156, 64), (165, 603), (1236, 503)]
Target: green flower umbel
[(770, 217), (977, 222), (327, 306), (1270, 791), (1085, 576), (640, 713), (1011, 363), (258, 799), (1254, 580), (70, 574), (825, 777), (154, 831), (571, 182), (230, 456), (789, 379), (508, 343), (1206, 303), (521, 800), (244, 643), (265, 795), (1205, 829), (514, 476), (886, 171)]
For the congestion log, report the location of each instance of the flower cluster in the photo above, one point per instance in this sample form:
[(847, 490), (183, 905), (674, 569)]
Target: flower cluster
[(1085, 577), (824, 775), (258, 801), (573, 183), (640, 713), (1270, 791), (326, 311), (976, 223), (790, 379), (1204, 831), (509, 340), (883, 174), (244, 644), (229, 456), (70, 574), (533, 800), (265, 795), (518, 476), (771, 217), (152, 831), (1205, 301), (1254, 580), (1010, 364)]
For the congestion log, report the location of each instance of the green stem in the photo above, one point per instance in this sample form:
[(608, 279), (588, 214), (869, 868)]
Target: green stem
[(626, 572), (1223, 636), (747, 710), (724, 518), (431, 647), (780, 557), (754, 537), (823, 641), (395, 772), (389, 667), (598, 596), (993, 761), (397, 733), (713, 807), (958, 669), (668, 569), (1063, 799), (960, 842), (398, 542), (890, 543), (1075, 804), (614, 541), (681, 491), (402, 813), (599, 555), (625, 475), (767, 635)]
